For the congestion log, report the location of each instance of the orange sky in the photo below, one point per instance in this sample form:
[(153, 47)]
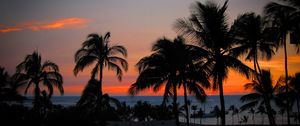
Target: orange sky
[(57, 28)]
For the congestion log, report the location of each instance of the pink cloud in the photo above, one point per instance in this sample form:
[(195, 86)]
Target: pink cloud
[(56, 24)]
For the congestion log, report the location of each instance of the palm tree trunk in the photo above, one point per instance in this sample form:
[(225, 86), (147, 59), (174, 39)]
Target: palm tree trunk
[(222, 102), (175, 106), (269, 112), (100, 79), (286, 79), (186, 105)]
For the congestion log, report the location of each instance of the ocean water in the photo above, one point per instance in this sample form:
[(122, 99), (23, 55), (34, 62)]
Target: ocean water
[(207, 107)]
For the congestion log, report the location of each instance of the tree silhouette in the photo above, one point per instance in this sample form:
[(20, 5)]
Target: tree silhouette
[(263, 91), (8, 89), (252, 111), (207, 26), (173, 64), (254, 38), (217, 113), (33, 72), (286, 19), (201, 113), (295, 91), (261, 109), (194, 108), (97, 50)]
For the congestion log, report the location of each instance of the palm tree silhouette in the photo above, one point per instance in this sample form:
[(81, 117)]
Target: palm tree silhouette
[(263, 92), (8, 89), (207, 25), (233, 109), (294, 91), (261, 109), (194, 108), (173, 64), (97, 50), (217, 113), (252, 111), (254, 38), (33, 72), (286, 19), (106, 106)]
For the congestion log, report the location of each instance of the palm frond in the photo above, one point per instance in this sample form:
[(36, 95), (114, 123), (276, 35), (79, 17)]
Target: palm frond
[(115, 68), (50, 66), (117, 49), (83, 62), (251, 97)]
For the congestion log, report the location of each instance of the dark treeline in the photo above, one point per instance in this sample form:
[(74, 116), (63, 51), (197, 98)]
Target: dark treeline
[(198, 59)]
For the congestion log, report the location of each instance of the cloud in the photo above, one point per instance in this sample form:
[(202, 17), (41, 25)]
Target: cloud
[(73, 22)]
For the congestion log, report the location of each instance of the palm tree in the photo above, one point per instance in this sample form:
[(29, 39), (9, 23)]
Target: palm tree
[(217, 113), (33, 72), (254, 38), (8, 89), (294, 91), (263, 91), (172, 64), (286, 19), (252, 111), (97, 50), (232, 108), (194, 108), (261, 109), (207, 25), (201, 113)]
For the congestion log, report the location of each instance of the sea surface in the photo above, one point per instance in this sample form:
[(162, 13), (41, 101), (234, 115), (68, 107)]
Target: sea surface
[(207, 107)]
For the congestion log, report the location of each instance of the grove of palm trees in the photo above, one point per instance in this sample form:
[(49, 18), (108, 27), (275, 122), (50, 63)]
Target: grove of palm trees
[(185, 69)]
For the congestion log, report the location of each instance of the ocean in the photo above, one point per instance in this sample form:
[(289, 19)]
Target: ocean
[(207, 107)]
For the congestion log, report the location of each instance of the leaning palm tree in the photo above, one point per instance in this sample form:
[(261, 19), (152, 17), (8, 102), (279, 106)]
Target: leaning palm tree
[(254, 38), (32, 72), (171, 65), (207, 26), (263, 92), (286, 19), (97, 51)]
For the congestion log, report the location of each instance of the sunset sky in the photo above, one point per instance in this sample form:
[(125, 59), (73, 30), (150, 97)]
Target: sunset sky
[(57, 28)]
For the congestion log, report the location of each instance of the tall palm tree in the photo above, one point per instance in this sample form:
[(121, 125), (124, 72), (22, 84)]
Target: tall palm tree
[(33, 72), (207, 26), (263, 91), (97, 51), (254, 38), (286, 19), (173, 64)]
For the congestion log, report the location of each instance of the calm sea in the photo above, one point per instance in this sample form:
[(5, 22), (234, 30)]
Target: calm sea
[(207, 107)]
